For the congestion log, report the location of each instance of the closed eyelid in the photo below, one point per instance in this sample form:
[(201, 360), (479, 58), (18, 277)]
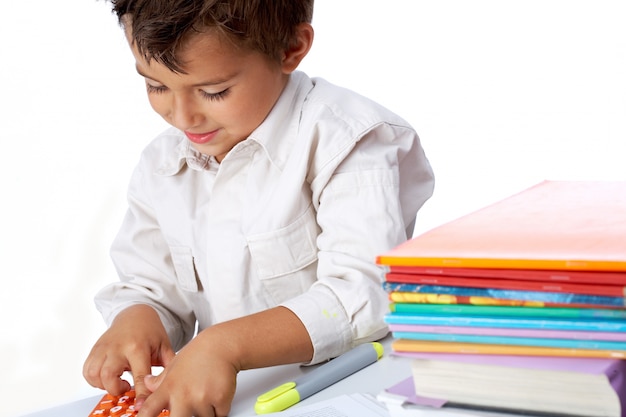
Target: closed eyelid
[(152, 81), (215, 96), (155, 89)]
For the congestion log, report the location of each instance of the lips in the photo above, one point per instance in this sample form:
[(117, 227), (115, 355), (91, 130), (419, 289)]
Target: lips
[(200, 138)]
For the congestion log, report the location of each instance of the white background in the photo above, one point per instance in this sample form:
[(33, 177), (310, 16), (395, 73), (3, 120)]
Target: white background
[(503, 93)]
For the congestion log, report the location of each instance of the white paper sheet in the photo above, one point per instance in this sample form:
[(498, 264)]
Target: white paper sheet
[(352, 405)]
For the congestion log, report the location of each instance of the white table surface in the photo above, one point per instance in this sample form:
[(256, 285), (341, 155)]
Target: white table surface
[(250, 384)]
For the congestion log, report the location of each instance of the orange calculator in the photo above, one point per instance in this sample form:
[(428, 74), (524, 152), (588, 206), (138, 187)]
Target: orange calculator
[(122, 406)]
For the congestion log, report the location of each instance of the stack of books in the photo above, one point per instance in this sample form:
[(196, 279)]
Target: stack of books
[(487, 385), (541, 274)]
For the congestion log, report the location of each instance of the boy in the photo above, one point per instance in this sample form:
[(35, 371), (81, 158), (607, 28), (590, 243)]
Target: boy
[(257, 217)]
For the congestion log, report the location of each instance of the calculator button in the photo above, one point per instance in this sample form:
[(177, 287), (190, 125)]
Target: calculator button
[(107, 404), (123, 406), (118, 410), (124, 401)]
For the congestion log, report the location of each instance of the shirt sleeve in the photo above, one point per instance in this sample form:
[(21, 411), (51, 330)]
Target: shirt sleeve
[(366, 205), (145, 266)]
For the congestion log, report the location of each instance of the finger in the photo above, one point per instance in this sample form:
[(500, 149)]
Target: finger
[(91, 370), (153, 405), (221, 411), (167, 355), (105, 372), (184, 409), (140, 369), (153, 382), (112, 381)]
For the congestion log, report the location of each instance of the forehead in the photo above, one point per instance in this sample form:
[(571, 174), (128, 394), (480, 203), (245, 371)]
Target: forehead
[(199, 53), (208, 43)]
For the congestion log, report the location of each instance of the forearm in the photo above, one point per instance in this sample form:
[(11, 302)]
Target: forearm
[(272, 337)]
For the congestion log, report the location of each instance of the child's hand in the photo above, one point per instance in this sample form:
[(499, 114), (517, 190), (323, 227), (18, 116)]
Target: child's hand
[(135, 342), (199, 382)]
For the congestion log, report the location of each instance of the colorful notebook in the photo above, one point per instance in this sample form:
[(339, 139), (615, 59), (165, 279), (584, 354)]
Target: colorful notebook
[(542, 296), (513, 340), (581, 277), (507, 311), (449, 299), (427, 346), (555, 225), (509, 284), (510, 322), (503, 331)]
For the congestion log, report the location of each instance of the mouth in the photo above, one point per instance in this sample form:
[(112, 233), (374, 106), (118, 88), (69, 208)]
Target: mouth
[(200, 138)]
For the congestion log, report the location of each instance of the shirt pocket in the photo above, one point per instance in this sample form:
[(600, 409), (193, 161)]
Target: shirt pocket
[(285, 259), (182, 259)]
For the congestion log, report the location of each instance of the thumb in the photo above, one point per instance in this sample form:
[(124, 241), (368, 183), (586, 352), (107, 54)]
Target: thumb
[(144, 387), (148, 383), (152, 382)]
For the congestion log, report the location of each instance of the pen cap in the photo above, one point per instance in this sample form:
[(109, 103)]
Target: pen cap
[(278, 399), (380, 350)]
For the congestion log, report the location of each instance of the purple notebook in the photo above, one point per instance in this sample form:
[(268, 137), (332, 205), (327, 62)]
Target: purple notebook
[(515, 332)]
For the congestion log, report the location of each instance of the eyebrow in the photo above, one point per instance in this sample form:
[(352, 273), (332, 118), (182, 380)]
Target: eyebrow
[(201, 84)]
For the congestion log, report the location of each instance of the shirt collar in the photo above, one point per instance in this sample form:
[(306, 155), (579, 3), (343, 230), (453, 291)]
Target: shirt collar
[(279, 130), (184, 153)]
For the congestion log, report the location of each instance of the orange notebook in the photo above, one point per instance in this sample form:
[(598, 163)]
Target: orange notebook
[(554, 225), (406, 345)]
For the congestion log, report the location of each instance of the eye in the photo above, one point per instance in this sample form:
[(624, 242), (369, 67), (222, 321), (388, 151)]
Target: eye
[(155, 88), (215, 96)]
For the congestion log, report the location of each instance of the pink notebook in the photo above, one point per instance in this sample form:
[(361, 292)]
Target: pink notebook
[(554, 225)]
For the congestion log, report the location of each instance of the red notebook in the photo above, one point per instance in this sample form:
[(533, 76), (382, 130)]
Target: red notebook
[(582, 277), (554, 225)]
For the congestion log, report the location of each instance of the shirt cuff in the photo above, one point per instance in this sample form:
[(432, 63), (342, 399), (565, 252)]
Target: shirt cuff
[(325, 320)]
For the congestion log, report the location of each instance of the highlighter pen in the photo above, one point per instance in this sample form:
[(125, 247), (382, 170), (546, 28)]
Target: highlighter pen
[(290, 393)]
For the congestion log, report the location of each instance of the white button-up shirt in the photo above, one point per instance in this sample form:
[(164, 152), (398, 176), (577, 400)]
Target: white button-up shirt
[(294, 215)]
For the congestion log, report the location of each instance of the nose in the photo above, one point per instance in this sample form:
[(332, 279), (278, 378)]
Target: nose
[(185, 113)]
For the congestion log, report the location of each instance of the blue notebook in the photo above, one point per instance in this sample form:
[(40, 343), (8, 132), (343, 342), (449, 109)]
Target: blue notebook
[(509, 322), (510, 340)]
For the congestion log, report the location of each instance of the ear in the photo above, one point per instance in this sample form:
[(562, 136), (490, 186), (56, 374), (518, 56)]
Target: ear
[(299, 49)]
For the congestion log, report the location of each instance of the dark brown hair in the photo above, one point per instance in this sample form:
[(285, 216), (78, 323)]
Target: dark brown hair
[(160, 27)]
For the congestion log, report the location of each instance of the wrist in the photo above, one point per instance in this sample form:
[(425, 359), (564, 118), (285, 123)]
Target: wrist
[(221, 342), (271, 337)]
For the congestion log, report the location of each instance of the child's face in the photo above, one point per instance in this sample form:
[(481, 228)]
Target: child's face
[(225, 94)]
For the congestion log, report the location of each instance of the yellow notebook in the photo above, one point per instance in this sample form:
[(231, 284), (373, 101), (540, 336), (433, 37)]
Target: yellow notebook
[(554, 225)]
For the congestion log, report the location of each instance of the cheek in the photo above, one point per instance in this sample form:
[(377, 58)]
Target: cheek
[(254, 111), (159, 104)]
